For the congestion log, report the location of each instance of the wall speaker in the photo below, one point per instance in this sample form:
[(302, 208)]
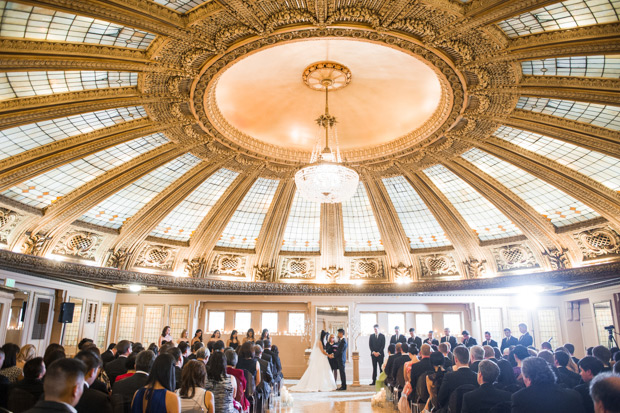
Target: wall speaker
[(66, 312)]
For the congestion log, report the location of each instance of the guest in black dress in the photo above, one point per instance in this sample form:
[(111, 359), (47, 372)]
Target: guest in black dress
[(233, 341), (330, 347)]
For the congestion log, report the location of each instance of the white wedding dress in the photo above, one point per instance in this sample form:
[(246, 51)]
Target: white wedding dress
[(318, 376)]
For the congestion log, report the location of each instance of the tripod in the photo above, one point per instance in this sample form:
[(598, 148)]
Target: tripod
[(611, 340)]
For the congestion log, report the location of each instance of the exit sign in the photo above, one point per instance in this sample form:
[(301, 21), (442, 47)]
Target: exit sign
[(9, 282)]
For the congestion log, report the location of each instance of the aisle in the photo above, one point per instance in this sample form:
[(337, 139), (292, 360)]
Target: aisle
[(354, 400)]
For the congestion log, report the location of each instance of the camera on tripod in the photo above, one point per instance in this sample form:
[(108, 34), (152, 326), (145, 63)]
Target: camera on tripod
[(610, 329)]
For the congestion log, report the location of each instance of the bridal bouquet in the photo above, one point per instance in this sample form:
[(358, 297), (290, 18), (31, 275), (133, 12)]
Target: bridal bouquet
[(285, 397), (378, 400)]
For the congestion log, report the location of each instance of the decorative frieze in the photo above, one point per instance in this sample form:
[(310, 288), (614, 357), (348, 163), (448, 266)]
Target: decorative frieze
[(297, 268), (438, 265), (511, 257), (8, 221), (598, 242), (79, 244), (367, 269), (228, 264), (156, 256)]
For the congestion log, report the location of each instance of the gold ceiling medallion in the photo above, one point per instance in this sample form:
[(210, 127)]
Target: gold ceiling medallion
[(316, 75)]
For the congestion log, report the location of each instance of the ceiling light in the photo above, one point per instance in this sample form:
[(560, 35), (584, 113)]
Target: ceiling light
[(135, 288), (326, 180)]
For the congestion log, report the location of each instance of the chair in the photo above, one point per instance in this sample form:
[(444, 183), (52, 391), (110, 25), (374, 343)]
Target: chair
[(456, 397)]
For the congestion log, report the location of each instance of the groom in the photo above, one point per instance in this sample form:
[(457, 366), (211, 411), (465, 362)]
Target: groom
[(340, 354)]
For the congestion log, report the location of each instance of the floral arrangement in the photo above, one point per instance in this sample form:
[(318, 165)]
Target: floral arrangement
[(379, 399), (286, 399)]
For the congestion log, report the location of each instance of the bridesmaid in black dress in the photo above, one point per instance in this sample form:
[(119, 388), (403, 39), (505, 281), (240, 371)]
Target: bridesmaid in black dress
[(233, 341), (330, 348)]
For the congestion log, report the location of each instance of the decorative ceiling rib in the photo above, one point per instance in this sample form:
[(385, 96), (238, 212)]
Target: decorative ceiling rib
[(522, 155)]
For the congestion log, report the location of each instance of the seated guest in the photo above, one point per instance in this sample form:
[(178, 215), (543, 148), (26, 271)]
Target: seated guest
[(203, 355), (571, 350), (247, 361), (520, 353), (430, 340), (508, 341), (486, 396), (10, 370), (178, 365), (572, 366), (153, 347), (542, 394), (123, 391), (197, 345), (130, 364), (444, 349), (108, 355), (461, 375), (92, 400), (63, 387), (219, 346), (589, 367), (117, 367), (25, 393), (399, 363), (548, 357), (605, 392), (231, 364), (468, 341), (220, 384), (264, 389), (419, 368), (488, 341), (545, 345), (185, 351), (27, 353), (273, 370), (476, 356), (192, 392), (275, 359), (600, 352), (136, 348), (433, 381), (506, 377), (158, 395), (389, 363), (565, 376)]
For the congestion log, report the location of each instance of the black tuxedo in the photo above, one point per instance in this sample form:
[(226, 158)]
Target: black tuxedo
[(24, 394), (390, 363), (452, 380), (546, 398), (415, 340), (272, 366), (107, 356), (376, 342), (491, 343), (507, 342), (470, 342), (452, 341), (474, 366), (275, 359), (116, 368), (94, 401), (483, 398), (526, 340), (401, 339), (398, 363), (584, 390), (123, 391), (49, 407), (340, 354), (567, 378)]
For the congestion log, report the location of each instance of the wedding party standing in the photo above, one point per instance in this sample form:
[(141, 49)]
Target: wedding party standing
[(377, 346)]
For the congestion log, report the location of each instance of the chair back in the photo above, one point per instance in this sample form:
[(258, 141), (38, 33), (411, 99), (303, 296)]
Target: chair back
[(456, 397)]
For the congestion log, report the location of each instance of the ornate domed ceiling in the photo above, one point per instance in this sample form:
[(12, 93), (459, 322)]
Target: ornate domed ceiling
[(162, 137)]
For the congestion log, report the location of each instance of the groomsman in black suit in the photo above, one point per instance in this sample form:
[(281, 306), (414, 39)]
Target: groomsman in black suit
[(526, 339), (508, 341), (468, 341), (450, 339), (488, 341), (377, 347), (340, 354), (412, 339), (430, 340), (397, 337)]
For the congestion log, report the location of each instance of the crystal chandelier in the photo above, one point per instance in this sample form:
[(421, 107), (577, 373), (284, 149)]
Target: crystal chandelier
[(325, 179)]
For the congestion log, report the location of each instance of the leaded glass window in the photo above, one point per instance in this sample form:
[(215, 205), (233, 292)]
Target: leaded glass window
[(605, 116), (303, 227), (361, 232)]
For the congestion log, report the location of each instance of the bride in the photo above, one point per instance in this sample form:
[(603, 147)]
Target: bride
[(318, 376)]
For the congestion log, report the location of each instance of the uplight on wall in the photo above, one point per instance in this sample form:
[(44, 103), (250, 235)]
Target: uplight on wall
[(135, 288)]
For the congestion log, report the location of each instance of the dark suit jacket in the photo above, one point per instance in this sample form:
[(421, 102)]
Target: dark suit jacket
[(123, 391), (116, 368), (452, 342), (546, 398), (474, 366), (24, 394), (275, 359), (430, 342), (401, 339), (584, 390), (470, 342), (93, 401), (483, 398), (99, 385), (47, 407), (491, 343), (272, 367), (526, 340), (418, 369), (507, 342), (398, 363), (107, 356), (377, 344), (415, 340), (452, 380), (566, 377), (341, 350), (390, 363)]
